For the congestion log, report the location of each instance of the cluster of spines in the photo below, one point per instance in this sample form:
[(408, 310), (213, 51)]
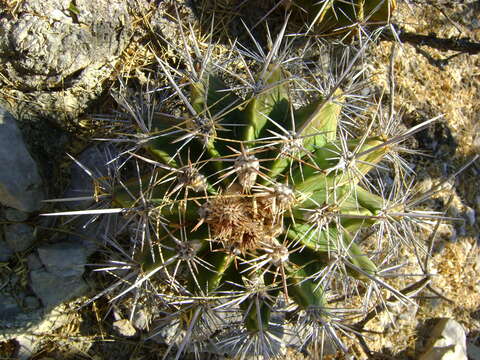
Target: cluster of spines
[(246, 206)]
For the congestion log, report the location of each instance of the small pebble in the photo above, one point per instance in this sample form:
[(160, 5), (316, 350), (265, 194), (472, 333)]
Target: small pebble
[(125, 328), (453, 237), (140, 320), (476, 23), (470, 216)]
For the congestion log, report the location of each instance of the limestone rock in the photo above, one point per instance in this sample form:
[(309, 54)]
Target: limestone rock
[(448, 342), (20, 182), (53, 290), (58, 52), (36, 322), (51, 40), (60, 278), (63, 259)]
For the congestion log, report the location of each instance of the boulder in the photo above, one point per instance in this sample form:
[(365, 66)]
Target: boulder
[(20, 182)]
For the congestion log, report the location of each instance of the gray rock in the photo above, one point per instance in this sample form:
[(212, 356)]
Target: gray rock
[(141, 319), (31, 303), (63, 259), (15, 215), (473, 351), (167, 333), (36, 323), (20, 182), (9, 308), (34, 262), (49, 41), (53, 290), (59, 54), (60, 278), (19, 237), (470, 216), (447, 342), (5, 251), (453, 236)]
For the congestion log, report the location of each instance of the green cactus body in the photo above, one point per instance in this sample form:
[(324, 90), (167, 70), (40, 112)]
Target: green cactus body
[(266, 216), (338, 16), (243, 204)]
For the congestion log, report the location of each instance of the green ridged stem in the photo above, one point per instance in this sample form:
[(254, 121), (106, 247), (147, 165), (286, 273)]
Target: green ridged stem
[(338, 16), (322, 120), (270, 103)]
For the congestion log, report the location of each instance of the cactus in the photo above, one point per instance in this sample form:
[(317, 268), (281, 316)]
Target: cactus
[(245, 215), (338, 16)]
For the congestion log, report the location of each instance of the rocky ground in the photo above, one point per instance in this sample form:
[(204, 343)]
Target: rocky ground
[(60, 59)]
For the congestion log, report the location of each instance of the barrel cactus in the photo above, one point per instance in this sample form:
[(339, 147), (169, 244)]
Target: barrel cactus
[(339, 16), (243, 206)]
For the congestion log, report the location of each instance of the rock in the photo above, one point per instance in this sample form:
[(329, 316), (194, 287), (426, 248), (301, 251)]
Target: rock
[(141, 319), (54, 45), (473, 351), (124, 328), (470, 216), (63, 259), (49, 42), (167, 333), (61, 278), (9, 308), (15, 215), (5, 251), (447, 342), (403, 313), (19, 237), (31, 303), (27, 327), (34, 262), (476, 24), (27, 346), (53, 289), (454, 236), (21, 185)]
